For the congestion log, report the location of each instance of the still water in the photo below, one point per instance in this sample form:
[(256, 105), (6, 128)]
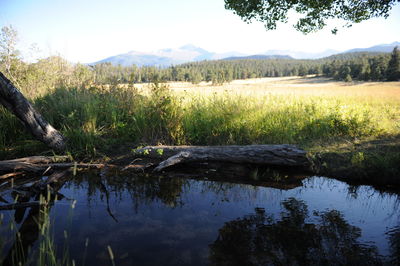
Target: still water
[(147, 220)]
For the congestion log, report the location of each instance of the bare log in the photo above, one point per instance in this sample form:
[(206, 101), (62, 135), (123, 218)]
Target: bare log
[(10, 167), (39, 159), (274, 155), (9, 175), (181, 157), (33, 164), (77, 165), (12, 99), (20, 165)]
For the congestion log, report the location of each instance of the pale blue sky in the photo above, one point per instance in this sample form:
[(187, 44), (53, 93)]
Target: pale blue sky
[(89, 30)]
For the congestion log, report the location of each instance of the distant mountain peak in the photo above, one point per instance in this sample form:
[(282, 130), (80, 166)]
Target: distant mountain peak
[(193, 48), (135, 53), (189, 46), (393, 44), (189, 53), (302, 55), (380, 48), (258, 56)]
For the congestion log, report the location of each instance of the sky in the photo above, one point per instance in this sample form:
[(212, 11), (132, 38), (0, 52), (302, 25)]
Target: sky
[(89, 30)]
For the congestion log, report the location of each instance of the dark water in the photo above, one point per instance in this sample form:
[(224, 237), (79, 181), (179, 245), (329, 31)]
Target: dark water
[(173, 221)]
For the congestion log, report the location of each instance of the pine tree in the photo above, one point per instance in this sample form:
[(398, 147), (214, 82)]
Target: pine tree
[(393, 70), (378, 68), (345, 73)]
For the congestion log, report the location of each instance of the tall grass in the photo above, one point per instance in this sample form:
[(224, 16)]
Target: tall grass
[(94, 118), (227, 119), (33, 242)]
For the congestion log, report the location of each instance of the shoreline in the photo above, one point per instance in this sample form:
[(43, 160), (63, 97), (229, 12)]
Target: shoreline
[(371, 161)]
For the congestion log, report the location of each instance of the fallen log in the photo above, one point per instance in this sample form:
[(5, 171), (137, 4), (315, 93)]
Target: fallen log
[(39, 165), (39, 159), (11, 167), (9, 175), (77, 165), (273, 155), (33, 164)]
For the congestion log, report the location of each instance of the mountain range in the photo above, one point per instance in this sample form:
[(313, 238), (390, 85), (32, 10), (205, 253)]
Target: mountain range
[(166, 57), (191, 53)]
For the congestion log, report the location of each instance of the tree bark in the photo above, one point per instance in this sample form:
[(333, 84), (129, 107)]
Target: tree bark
[(30, 168), (274, 155), (39, 164), (39, 159), (12, 99)]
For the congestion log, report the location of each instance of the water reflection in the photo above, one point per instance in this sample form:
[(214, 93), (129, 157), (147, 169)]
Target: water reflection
[(36, 199), (26, 236), (143, 189), (154, 220), (394, 242), (260, 239)]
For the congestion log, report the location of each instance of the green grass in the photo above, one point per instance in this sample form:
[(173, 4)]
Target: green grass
[(93, 118), (96, 119), (229, 119)]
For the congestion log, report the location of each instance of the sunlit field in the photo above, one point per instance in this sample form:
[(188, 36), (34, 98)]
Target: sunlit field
[(298, 86), (353, 128), (294, 110)]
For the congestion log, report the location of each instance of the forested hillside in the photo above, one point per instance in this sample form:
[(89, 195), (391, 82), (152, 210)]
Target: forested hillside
[(347, 67)]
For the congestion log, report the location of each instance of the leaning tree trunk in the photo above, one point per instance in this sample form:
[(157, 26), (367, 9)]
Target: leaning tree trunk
[(12, 99)]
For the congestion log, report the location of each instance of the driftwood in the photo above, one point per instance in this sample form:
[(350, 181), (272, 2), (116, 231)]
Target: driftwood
[(42, 168), (9, 175), (12, 99), (9, 167), (34, 164), (40, 165), (39, 159), (273, 155)]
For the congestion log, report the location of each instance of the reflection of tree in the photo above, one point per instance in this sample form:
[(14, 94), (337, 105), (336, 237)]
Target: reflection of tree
[(394, 241), (145, 189), (166, 190), (27, 235), (43, 193), (259, 239), (142, 189)]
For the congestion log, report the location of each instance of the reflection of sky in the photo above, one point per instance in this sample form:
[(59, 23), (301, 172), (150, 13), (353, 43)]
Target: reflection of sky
[(154, 233)]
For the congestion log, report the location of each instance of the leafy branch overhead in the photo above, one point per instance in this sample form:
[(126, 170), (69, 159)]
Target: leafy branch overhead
[(314, 14)]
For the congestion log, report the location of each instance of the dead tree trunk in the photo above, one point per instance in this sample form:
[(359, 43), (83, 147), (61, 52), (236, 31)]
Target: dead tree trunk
[(274, 155), (12, 99)]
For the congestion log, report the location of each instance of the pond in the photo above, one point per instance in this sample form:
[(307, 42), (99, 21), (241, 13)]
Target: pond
[(125, 219)]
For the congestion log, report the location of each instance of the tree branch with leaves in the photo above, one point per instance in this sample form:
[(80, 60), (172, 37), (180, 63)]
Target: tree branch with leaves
[(314, 14)]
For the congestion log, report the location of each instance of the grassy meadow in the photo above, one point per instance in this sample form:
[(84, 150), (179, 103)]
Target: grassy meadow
[(323, 116)]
